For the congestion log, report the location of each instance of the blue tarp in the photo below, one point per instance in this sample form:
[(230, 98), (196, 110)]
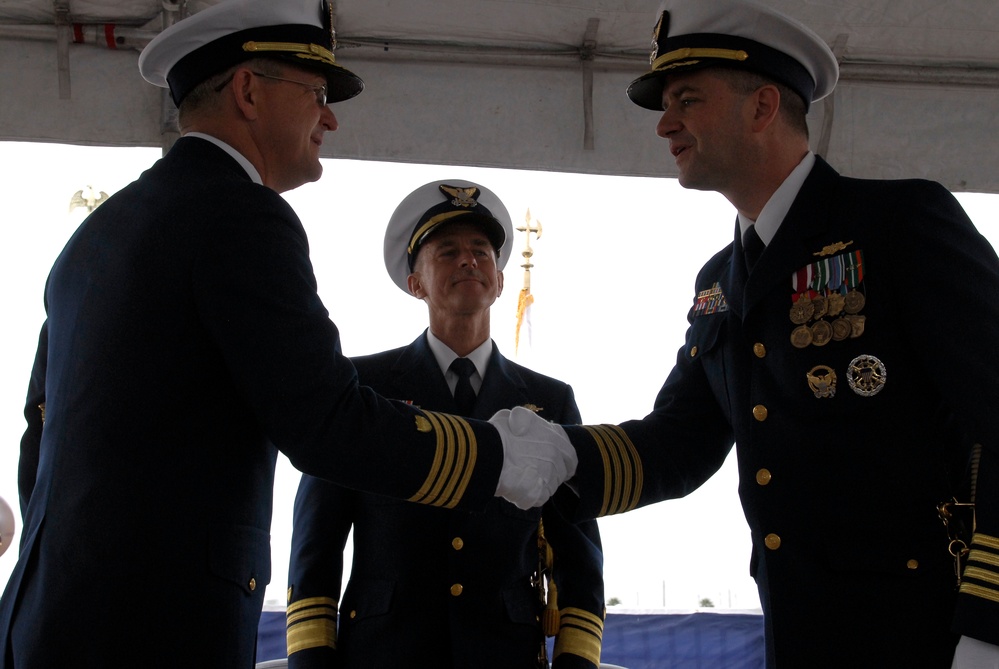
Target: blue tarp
[(698, 640)]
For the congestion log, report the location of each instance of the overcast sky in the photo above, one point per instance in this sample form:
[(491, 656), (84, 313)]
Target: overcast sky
[(613, 279)]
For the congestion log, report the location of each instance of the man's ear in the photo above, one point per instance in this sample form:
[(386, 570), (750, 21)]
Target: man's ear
[(415, 283), (767, 101), (499, 283), (245, 89)]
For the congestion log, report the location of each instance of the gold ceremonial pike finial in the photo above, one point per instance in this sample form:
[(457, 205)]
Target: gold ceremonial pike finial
[(528, 252), (526, 299)]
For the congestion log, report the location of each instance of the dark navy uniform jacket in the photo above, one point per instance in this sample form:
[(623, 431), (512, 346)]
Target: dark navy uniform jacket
[(840, 484), (431, 587), (184, 340)]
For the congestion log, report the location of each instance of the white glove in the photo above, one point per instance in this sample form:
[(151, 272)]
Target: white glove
[(975, 654), (537, 457)]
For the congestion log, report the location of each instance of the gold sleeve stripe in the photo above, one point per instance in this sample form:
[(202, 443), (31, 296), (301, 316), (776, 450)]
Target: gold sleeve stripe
[(444, 459), (304, 606), (454, 461), (311, 624), (978, 591), (983, 557), (985, 541), (979, 574), (464, 461), (581, 633), (605, 459), (614, 478), (623, 474)]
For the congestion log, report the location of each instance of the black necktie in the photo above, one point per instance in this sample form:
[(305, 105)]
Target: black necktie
[(464, 396), (752, 245)]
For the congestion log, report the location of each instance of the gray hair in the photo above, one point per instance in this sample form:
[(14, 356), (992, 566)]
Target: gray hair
[(205, 97)]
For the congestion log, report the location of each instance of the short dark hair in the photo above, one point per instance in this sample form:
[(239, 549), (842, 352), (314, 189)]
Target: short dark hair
[(792, 105)]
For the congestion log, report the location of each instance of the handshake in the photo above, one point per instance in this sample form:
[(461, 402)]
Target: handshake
[(537, 457)]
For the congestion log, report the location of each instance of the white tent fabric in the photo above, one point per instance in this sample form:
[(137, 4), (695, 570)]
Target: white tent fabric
[(532, 84)]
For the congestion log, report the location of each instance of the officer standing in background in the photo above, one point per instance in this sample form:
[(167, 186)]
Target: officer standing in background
[(843, 342), (433, 587), (184, 340)]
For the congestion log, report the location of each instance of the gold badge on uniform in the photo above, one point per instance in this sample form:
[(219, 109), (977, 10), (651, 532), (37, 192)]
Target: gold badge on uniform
[(802, 310), (854, 301), (832, 248), (801, 336), (842, 329), (422, 424), (822, 381), (866, 375), (821, 333)]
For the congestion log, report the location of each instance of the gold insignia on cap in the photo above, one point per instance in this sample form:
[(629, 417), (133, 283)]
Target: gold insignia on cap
[(822, 381), (866, 375), (422, 424), (307, 51), (533, 407), (832, 249), (460, 197), (463, 197), (655, 37), (689, 57)]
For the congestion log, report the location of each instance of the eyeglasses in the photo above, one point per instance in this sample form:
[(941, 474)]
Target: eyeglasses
[(319, 91)]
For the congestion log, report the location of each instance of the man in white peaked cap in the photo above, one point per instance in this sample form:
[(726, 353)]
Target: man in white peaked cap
[(450, 589), (184, 345), (838, 342)]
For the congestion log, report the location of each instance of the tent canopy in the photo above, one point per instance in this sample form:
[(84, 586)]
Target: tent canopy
[(532, 84)]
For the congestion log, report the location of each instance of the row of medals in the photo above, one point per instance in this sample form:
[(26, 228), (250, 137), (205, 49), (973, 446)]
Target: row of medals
[(842, 310)]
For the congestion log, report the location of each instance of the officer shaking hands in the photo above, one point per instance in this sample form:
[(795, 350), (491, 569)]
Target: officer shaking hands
[(185, 344), (841, 342)]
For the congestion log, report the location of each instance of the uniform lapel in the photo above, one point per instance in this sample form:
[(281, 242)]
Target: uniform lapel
[(502, 387), (418, 376), (733, 281), (795, 242)]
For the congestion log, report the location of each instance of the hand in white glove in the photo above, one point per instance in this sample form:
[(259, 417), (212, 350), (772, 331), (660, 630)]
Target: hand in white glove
[(537, 457), (975, 654)]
